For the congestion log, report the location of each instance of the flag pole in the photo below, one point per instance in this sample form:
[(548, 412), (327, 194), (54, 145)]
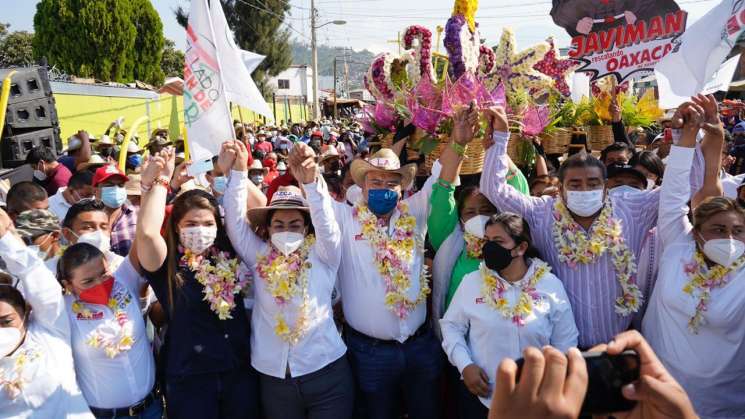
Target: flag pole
[(219, 65)]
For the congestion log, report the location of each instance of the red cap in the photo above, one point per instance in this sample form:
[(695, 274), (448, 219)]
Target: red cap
[(105, 173), (316, 133)]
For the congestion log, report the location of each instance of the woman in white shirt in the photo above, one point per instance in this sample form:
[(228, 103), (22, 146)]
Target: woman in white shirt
[(37, 377), (694, 321), (512, 302), (113, 357), (295, 345)]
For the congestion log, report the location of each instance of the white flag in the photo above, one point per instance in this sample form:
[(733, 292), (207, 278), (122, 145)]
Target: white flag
[(206, 110), (703, 47), (239, 85), (251, 60)]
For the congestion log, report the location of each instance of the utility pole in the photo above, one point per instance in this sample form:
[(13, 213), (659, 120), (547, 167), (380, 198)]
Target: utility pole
[(335, 88), (314, 59)]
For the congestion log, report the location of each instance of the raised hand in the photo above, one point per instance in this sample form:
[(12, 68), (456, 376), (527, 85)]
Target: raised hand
[(465, 125), (302, 161), (241, 156), (226, 157), (181, 175), (615, 109), (496, 118), (711, 123), (551, 386)]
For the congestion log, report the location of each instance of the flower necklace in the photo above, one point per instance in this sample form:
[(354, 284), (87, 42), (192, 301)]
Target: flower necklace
[(12, 381), (575, 247), (702, 283), (124, 338), (493, 292), (287, 277), (393, 257), (474, 244), (216, 272)]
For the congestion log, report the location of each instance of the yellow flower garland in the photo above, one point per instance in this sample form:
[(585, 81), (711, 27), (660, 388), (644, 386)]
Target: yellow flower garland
[(701, 283), (287, 277), (125, 337), (12, 381), (493, 292), (474, 244), (393, 257), (575, 247)]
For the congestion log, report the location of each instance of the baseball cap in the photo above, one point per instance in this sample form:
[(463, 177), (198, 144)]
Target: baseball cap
[(107, 172), (625, 169), (34, 223)]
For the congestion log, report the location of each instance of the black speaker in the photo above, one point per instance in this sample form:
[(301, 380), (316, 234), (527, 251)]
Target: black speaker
[(32, 114), (28, 83), (14, 148)]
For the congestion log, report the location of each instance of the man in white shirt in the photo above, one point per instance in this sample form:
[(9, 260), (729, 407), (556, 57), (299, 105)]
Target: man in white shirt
[(79, 188), (384, 283)]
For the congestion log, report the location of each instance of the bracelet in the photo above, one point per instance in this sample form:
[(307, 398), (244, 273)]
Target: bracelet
[(460, 150), (162, 181)]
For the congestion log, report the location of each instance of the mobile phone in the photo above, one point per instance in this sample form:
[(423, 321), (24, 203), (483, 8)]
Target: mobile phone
[(607, 374)]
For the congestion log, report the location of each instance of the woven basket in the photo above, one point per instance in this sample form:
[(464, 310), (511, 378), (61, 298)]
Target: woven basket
[(599, 136), (512, 151), (473, 162), (557, 142)]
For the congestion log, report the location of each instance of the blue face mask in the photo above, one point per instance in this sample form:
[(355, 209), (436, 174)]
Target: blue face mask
[(220, 184), (113, 196), (134, 161), (381, 201)]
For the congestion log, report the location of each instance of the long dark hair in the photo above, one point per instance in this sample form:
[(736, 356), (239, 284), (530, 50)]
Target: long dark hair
[(74, 256), (190, 200), (10, 294), (517, 228)]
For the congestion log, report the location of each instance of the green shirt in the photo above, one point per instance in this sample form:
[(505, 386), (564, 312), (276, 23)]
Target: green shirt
[(443, 218)]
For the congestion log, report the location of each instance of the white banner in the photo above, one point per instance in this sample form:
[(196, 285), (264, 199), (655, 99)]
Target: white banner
[(206, 110), (704, 45), (239, 86)]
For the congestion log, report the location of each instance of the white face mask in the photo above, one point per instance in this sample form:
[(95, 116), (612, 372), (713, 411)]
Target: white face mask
[(97, 238), (257, 179), (198, 239), (287, 241), (624, 189), (10, 337), (651, 184), (39, 175), (724, 251), (475, 226), (585, 203)]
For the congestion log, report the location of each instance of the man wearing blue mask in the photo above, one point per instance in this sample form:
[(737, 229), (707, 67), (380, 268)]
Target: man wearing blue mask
[(217, 179), (109, 183), (384, 282)]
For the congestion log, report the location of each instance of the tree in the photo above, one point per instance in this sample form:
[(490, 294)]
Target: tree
[(257, 27), (111, 40), (172, 62), (15, 47)]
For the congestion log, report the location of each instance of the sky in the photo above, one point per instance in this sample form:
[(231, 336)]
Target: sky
[(375, 24)]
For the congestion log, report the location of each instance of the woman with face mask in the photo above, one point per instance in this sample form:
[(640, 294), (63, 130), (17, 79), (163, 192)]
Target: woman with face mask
[(511, 302), (295, 346), (113, 357), (194, 273), (37, 376), (694, 319)]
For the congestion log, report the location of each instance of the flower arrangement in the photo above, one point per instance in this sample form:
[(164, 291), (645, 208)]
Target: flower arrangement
[(702, 282), (487, 60), (216, 272), (285, 278), (576, 247), (493, 291), (515, 70), (393, 257), (557, 69), (422, 51), (474, 245)]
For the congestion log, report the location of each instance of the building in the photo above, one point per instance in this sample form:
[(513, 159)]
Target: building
[(296, 81)]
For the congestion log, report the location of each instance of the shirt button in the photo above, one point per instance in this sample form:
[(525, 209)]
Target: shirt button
[(226, 336)]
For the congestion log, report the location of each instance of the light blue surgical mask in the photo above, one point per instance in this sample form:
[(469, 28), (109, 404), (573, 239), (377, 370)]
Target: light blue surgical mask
[(220, 184), (113, 196), (624, 189)]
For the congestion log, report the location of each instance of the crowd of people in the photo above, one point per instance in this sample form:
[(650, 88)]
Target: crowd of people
[(314, 273)]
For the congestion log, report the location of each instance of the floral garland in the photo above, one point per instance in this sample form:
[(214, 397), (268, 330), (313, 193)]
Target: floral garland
[(702, 283), (218, 278), (493, 292), (379, 76), (393, 257), (124, 338), (474, 244), (287, 277), (575, 247), (14, 382)]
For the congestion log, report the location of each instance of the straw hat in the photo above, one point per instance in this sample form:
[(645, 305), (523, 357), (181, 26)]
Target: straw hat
[(133, 148), (94, 160), (286, 197), (385, 160), (105, 140), (328, 152), (256, 165)]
